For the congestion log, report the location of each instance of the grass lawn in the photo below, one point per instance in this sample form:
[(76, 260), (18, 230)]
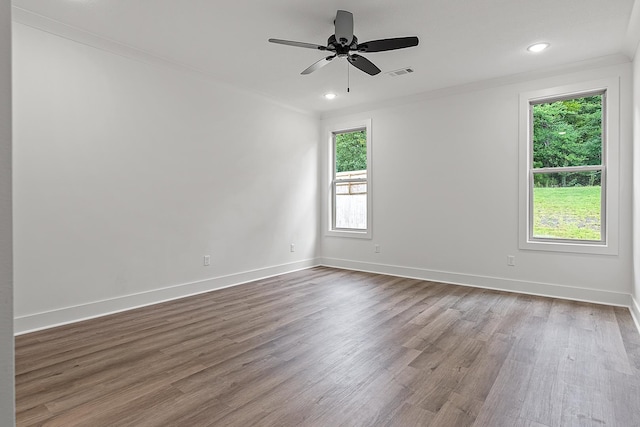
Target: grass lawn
[(569, 212)]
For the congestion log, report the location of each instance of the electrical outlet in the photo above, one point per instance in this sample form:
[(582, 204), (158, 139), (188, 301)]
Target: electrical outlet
[(292, 247), (377, 248), (207, 260), (511, 260)]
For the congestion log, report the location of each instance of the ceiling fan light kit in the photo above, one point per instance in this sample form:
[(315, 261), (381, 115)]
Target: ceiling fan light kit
[(344, 44)]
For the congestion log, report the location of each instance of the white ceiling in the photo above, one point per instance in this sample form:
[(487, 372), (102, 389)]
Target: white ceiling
[(461, 41)]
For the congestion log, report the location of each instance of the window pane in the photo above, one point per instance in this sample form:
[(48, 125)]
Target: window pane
[(351, 151), (568, 133), (351, 205), (350, 164), (567, 205)]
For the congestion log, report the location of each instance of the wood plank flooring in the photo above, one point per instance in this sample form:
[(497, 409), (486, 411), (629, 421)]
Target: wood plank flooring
[(328, 347)]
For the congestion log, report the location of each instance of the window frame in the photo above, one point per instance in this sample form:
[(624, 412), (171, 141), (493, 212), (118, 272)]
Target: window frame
[(609, 167), (332, 182)]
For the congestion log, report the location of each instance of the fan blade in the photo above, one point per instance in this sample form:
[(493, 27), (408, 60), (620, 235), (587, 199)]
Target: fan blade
[(344, 27), (319, 64), (298, 44), (362, 63), (387, 44)]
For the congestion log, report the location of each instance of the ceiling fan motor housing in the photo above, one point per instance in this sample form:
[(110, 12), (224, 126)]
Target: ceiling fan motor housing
[(340, 49)]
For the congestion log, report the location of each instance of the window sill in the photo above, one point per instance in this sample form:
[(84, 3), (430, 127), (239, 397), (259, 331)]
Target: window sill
[(365, 234), (576, 248)]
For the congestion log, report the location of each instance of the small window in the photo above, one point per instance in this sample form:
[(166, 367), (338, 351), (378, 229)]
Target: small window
[(350, 183), (570, 166)]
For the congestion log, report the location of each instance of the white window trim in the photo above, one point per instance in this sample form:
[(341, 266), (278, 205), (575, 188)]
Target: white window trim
[(343, 128), (610, 153)]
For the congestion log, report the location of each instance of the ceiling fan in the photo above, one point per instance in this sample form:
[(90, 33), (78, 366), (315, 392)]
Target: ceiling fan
[(343, 43)]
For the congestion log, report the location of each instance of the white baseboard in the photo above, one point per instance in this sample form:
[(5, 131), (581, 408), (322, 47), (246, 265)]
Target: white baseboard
[(44, 320), (635, 312), (49, 319), (497, 283)]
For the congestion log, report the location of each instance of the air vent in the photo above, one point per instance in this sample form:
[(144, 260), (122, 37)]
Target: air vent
[(400, 72)]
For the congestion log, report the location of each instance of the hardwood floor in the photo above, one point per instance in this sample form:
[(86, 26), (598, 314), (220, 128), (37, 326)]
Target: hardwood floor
[(327, 347)]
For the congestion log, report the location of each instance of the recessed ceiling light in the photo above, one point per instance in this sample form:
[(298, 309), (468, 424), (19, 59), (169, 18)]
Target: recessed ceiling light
[(538, 47), (330, 95)]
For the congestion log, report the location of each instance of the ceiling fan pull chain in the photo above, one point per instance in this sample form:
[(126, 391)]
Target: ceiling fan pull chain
[(348, 78)]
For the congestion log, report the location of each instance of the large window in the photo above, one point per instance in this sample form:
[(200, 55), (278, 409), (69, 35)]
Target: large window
[(350, 182), (568, 169), (567, 172)]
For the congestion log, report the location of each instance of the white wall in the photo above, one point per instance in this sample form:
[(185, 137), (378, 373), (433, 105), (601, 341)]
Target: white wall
[(6, 275), (636, 185), (445, 196), (127, 172)]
